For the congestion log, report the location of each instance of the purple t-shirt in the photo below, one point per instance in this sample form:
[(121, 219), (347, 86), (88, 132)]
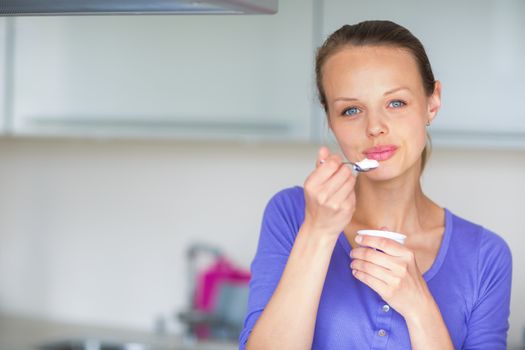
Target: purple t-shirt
[(470, 281)]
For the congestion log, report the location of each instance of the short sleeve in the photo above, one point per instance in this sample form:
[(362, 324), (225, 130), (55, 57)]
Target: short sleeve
[(488, 323), (281, 221)]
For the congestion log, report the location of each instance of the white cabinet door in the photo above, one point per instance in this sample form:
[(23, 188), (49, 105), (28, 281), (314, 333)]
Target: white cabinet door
[(184, 76), (477, 51), (4, 109)]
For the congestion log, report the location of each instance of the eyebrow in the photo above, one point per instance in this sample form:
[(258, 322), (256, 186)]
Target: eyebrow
[(389, 92), (345, 99), (396, 90)]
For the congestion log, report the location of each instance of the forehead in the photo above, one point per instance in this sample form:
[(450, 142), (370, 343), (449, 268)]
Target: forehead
[(374, 67)]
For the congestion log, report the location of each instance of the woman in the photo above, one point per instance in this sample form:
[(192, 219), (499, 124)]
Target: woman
[(316, 284)]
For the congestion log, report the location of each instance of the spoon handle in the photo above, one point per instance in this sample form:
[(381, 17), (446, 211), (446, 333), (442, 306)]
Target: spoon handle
[(354, 165)]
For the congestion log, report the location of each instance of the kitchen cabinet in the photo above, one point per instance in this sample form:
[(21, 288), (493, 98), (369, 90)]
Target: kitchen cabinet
[(234, 77), (251, 77), (477, 51), (3, 71)]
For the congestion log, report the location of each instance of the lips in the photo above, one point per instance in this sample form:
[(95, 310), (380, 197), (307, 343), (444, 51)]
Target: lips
[(380, 153)]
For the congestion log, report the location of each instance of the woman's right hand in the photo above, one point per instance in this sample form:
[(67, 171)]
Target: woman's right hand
[(329, 195)]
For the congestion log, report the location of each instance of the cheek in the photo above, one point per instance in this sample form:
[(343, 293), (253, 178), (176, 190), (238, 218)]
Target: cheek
[(420, 139), (349, 141), (416, 140)]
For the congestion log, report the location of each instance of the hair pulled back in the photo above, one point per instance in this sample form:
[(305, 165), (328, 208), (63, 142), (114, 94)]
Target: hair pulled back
[(375, 33)]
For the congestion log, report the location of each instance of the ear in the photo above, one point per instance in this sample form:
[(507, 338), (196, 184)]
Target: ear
[(434, 101)]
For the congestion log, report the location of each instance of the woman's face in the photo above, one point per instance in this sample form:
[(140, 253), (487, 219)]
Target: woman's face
[(377, 107)]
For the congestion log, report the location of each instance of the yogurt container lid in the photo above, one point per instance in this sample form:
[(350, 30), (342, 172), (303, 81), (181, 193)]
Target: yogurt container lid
[(387, 234)]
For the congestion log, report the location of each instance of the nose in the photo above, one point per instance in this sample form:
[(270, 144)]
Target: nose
[(376, 126)]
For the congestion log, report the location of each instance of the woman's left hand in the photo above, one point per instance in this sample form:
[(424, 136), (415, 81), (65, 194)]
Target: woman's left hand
[(391, 271)]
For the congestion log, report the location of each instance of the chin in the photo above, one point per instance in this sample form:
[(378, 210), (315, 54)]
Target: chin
[(388, 170), (380, 174)]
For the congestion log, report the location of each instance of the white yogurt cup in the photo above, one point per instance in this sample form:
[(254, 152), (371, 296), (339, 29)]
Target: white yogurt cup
[(398, 237)]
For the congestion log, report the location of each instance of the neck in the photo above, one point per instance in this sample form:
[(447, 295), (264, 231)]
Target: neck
[(398, 204)]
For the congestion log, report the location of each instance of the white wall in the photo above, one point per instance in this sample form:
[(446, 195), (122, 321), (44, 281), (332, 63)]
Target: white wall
[(95, 231)]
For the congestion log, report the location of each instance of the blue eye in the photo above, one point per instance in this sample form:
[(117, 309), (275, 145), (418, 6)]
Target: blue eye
[(396, 104), (351, 111)]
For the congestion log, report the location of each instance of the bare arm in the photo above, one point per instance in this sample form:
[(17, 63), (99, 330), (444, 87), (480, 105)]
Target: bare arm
[(288, 320), (427, 328)]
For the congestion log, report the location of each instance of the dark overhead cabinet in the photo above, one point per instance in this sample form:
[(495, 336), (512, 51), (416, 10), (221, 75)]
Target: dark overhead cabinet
[(135, 7)]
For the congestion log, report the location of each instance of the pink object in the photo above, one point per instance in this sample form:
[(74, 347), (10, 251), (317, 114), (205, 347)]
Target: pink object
[(208, 286), (209, 282)]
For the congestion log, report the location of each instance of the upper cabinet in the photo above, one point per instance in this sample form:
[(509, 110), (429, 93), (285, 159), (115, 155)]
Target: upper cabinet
[(477, 50), (250, 77), (3, 77), (178, 76)]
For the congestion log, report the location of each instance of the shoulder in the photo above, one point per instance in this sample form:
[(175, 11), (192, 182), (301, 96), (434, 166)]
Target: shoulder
[(489, 246), (289, 201), (291, 195), (283, 216), (482, 263), (285, 209)]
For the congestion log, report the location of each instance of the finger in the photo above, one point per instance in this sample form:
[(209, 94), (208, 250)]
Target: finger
[(322, 155), (386, 245), (337, 181), (343, 193), (326, 170), (376, 271), (377, 285), (333, 161), (374, 256)]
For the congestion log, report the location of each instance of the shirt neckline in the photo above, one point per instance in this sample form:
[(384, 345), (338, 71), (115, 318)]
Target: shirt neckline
[(440, 258)]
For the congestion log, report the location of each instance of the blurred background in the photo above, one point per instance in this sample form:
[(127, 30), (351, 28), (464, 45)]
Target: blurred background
[(126, 141)]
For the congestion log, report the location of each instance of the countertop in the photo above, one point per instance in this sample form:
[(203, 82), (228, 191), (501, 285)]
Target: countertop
[(23, 333)]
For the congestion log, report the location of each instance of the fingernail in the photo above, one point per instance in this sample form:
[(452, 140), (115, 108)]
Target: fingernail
[(358, 238)]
